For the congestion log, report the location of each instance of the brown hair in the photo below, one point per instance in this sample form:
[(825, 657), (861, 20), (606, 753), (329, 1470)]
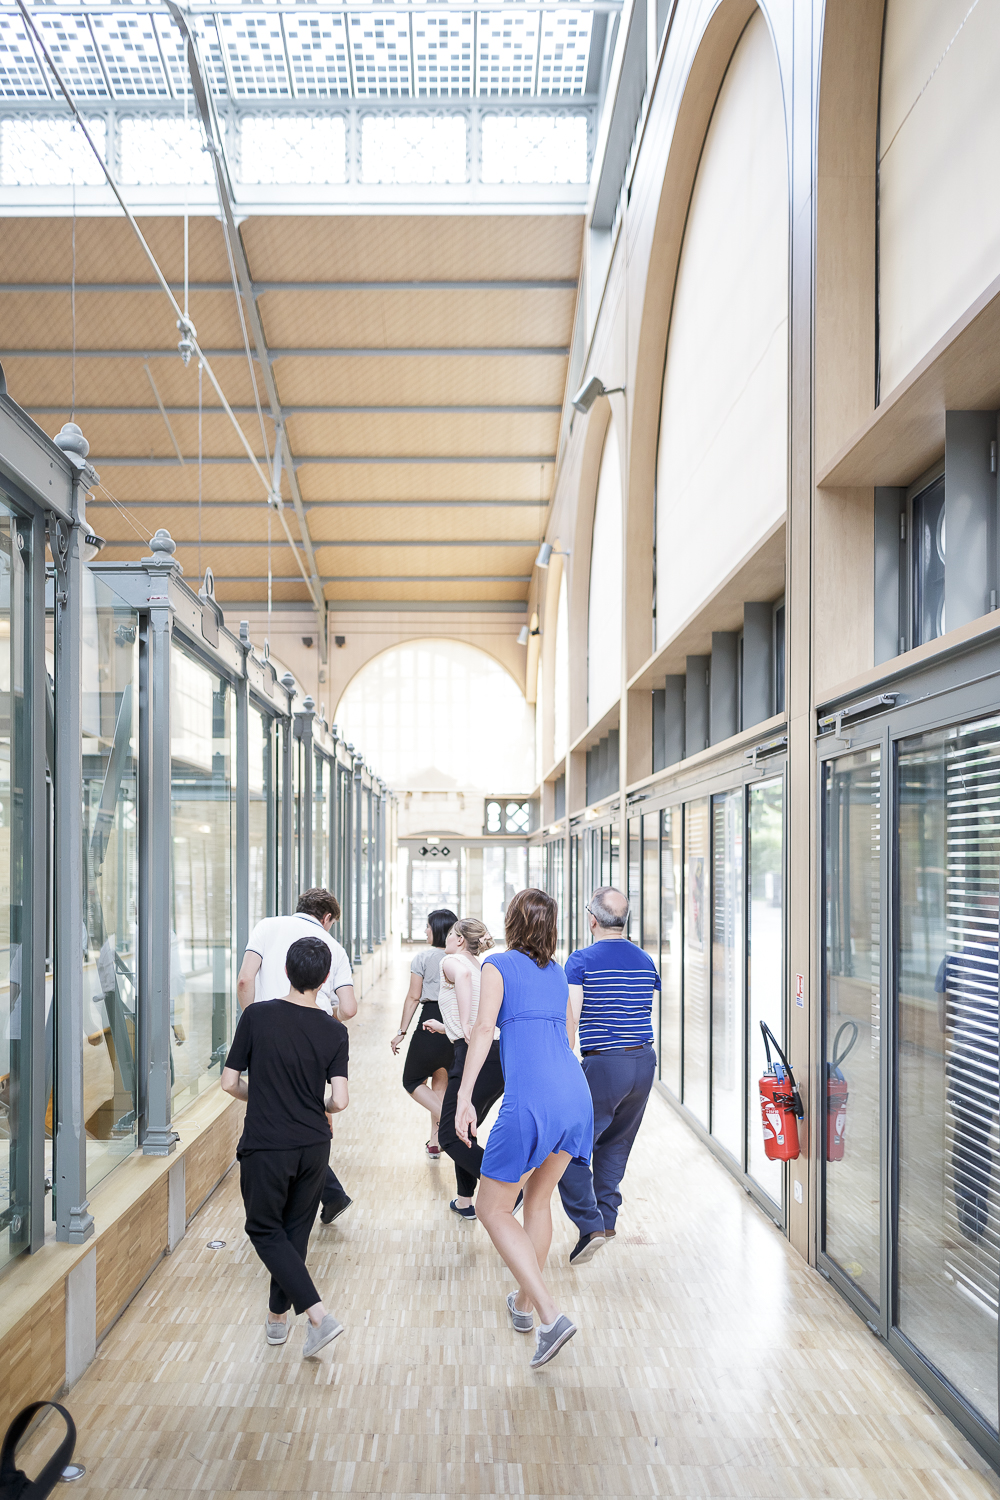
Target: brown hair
[(530, 925), (319, 903), (476, 934)]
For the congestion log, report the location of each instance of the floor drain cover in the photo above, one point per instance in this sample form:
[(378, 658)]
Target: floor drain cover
[(217, 1244)]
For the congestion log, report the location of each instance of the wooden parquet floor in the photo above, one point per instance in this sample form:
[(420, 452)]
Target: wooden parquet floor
[(711, 1361)]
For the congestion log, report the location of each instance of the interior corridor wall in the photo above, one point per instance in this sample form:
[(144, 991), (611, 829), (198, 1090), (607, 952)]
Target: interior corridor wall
[(560, 687), (939, 220), (604, 610), (721, 473)]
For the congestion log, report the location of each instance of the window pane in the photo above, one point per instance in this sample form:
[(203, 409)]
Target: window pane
[(651, 905), (633, 892), (696, 958), (263, 807), (16, 997), (853, 1000), (201, 958), (766, 960), (727, 971), (928, 550), (434, 883), (670, 949), (949, 878), (111, 868), (321, 821)]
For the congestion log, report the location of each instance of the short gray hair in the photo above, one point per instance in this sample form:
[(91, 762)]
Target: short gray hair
[(603, 911)]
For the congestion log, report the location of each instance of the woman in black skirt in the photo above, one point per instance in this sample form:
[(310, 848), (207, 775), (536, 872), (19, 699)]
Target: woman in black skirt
[(430, 1055)]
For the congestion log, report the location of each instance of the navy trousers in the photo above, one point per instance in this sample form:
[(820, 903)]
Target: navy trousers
[(619, 1084)]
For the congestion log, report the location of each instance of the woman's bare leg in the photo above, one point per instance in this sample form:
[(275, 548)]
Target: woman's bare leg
[(524, 1251), (430, 1101), (439, 1085)]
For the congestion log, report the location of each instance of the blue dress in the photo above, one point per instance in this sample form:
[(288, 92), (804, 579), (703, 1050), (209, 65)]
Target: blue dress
[(547, 1105)]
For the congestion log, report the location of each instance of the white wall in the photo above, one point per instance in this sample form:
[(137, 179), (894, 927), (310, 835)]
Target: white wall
[(604, 614), (560, 690), (721, 477), (541, 765), (939, 208)]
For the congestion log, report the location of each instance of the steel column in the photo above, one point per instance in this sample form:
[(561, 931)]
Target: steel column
[(370, 924), (285, 814), (156, 853), (74, 1223), (243, 799), (358, 846), (303, 733)]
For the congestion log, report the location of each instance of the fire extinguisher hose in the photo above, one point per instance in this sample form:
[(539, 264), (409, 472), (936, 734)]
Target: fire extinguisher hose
[(838, 1056), (771, 1040)]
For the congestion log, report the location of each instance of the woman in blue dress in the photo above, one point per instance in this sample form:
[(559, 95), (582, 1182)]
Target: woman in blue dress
[(547, 1114)]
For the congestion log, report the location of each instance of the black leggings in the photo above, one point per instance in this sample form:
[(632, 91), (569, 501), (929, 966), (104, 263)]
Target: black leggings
[(428, 1050), (281, 1192), (489, 1088)]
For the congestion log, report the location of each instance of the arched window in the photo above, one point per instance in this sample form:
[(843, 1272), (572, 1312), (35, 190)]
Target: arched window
[(560, 687), (437, 715), (722, 464), (604, 614)]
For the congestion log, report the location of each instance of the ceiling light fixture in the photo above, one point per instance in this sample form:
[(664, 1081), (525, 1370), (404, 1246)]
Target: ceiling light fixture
[(589, 393)]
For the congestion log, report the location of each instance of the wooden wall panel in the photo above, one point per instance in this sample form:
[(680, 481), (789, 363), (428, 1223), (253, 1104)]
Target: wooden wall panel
[(209, 1158), (33, 1355), (128, 1250)]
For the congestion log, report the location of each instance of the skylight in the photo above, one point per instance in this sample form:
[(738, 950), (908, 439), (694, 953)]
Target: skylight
[(360, 50)]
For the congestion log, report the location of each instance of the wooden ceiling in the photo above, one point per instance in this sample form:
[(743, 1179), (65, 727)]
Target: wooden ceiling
[(420, 386)]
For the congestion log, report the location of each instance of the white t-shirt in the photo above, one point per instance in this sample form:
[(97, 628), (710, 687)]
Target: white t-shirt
[(272, 939)]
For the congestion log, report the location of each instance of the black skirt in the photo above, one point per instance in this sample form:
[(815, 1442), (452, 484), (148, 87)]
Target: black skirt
[(428, 1050)]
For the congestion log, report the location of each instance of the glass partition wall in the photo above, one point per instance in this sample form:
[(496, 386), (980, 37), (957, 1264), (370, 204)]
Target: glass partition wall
[(709, 892), (911, 914)]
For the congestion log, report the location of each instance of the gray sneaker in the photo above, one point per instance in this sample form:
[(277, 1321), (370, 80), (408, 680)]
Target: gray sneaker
[(523, 1321), (317, 1338), (276, 1333), (547, 1345)]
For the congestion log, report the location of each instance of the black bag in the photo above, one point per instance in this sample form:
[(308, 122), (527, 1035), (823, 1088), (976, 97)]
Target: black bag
[(14, 1483)]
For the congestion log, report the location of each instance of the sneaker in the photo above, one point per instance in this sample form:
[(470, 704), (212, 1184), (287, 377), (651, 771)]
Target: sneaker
[(468, 1214), (547, 1345), (523, 1321), (586, 1248), (334, 1210), (317, 1338), (434, 1152), (276, 1333)]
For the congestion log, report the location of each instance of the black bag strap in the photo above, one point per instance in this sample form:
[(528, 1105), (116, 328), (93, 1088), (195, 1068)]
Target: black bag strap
[(769, 1037), (44, 1484)]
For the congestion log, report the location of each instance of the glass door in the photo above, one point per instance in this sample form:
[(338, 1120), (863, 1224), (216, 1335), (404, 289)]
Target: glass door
[(765, 958), (728, 1030), (697, 958), (852, 1016)]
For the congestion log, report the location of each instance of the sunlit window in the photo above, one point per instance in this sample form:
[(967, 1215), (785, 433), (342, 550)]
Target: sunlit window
[(160, 153), (604, 620), (441, 715), (49, 153), (560, 704), (534, 148), (413, 149), (293, 148), (540, 766)]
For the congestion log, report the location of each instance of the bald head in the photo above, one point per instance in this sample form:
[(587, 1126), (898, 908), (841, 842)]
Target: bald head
[(609, 908)]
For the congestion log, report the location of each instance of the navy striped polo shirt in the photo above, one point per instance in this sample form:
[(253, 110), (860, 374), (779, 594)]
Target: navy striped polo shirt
[(619, 981)]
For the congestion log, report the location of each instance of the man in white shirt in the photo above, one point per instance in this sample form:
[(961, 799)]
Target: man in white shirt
[(262, 977)]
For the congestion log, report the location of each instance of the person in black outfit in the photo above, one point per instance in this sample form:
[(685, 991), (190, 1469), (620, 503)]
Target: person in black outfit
[(429, 1055), (296, 1059)]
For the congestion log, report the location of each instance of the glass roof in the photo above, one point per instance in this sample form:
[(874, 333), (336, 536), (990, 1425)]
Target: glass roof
[(361, 49)]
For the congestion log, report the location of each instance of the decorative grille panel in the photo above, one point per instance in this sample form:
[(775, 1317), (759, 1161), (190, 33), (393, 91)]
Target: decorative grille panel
[(565, 48), (21, 76), (507, 51), (255, 51), (380, 53), (317, 52), (443, 52), (128, 44)]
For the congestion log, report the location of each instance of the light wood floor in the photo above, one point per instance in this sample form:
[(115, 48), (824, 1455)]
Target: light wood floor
[(710, 1360)]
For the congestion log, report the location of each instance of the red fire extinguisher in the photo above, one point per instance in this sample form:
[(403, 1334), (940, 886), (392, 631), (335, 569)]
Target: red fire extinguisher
[(780, 1105), (836, 1094)]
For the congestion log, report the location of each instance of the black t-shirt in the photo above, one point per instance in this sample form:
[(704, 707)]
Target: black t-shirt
[(290, 1053)]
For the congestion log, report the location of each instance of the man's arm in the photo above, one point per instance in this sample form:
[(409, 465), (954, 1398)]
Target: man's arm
[(246, 979), (336, 1095), (234, 1083), (347, 1003), (573, 1008)]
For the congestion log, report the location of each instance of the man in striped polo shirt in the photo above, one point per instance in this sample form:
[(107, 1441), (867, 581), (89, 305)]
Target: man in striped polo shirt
[(611, 989)]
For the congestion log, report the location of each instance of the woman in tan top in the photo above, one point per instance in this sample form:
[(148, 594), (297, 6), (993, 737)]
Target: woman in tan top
[(465, 944)]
